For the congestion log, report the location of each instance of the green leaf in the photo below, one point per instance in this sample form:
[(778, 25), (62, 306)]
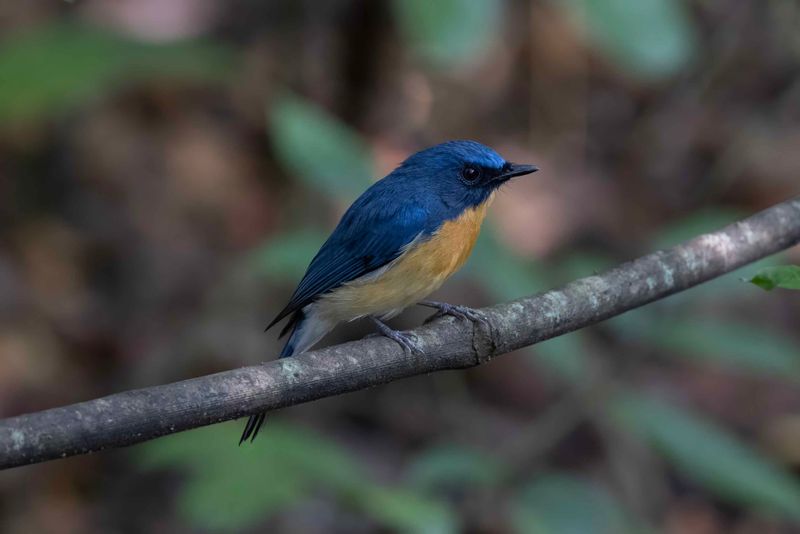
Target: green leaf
[(785, 276), (229, 487), (287, 256), (326, 154), (564, 504), (405, 511), (736, 345), (651, 39), (449, 32), (56, 67), (710, 456), (453, 467)]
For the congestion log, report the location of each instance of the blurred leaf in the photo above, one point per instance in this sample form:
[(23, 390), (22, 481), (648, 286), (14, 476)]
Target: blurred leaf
[(319, 149), (407, 512), (230, 487), (565, 356), (449, 32), (55, 67), (785, 276), (651, 39), (453, 467), (711, 456), (564, 504), (580, 264), (287, 256), (733, 344), (505, 275), (695, 224)]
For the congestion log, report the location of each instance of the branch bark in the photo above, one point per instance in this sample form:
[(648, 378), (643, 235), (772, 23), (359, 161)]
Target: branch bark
[(134, 416)]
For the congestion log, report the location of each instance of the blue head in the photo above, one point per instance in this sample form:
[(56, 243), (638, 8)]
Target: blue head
[(458, 174)]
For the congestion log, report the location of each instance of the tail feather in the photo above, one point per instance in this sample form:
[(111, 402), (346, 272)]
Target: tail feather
[(252, 427), (295, 324), (291, 324)]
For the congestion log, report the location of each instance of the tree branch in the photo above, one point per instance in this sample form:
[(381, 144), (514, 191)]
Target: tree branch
[(143, 414)]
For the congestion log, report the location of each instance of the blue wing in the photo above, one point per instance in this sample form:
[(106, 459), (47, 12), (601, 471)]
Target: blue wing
[(372, 233)]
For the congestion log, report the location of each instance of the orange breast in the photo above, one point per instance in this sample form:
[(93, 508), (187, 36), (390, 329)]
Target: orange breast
[(418, 272)]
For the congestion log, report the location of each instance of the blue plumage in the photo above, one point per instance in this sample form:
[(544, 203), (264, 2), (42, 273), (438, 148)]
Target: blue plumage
[(410, 203), (372, 233), (408, 206)]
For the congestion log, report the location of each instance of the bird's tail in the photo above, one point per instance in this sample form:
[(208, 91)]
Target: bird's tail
[(296, 326), (305, 331)]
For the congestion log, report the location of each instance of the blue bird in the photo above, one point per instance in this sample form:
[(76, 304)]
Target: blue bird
[(398, 242)]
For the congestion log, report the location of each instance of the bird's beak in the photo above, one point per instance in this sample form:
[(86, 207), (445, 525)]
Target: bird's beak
[(517, 169)]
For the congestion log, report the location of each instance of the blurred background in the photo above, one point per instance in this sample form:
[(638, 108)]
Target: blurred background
[(169, 167)]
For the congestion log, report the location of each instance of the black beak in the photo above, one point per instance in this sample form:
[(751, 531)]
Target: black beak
[(511, 170)]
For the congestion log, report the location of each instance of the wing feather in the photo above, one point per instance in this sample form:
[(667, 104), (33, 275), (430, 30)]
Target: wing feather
[(373, 232)]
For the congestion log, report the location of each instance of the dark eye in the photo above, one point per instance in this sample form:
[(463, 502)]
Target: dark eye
[(471, 174)]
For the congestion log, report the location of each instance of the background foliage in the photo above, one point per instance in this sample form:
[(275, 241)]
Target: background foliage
[(168, 168)]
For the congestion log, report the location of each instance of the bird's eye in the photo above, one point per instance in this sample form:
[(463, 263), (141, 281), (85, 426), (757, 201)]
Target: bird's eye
[(471, 174)]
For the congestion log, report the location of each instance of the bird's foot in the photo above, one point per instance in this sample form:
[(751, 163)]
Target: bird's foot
[(406, 341), (460, 312)]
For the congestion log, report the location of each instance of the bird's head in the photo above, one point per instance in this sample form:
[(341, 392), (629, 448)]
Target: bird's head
[(462, 173)]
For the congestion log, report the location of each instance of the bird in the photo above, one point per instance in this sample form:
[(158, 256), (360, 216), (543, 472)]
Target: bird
[(395, 245)]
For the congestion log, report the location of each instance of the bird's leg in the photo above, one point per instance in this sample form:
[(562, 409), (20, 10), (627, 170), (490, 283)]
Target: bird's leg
[(404, 340), (461, 312)]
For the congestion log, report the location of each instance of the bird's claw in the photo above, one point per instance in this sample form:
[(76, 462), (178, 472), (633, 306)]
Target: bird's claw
[(406, 341), (460, 312), (409, 344)]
